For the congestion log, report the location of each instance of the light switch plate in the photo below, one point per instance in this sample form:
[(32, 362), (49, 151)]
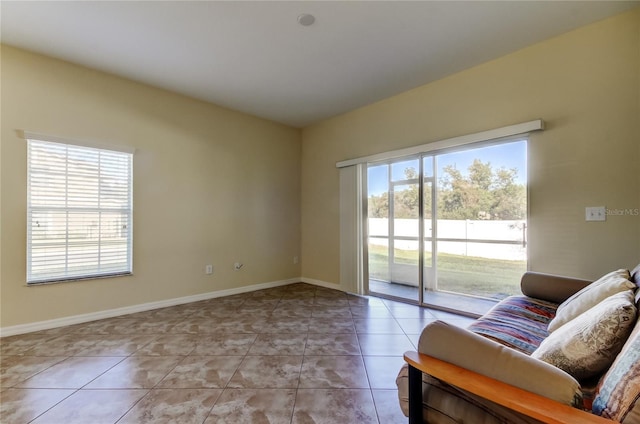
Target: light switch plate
[(595, 213)]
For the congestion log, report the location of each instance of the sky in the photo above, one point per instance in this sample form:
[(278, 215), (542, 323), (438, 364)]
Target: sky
[(507, 155)]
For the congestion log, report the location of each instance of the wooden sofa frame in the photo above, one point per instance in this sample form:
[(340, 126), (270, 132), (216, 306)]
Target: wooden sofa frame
[(514, 398)]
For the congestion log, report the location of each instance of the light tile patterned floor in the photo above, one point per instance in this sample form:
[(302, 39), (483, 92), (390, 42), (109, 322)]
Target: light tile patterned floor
[(294, 354)]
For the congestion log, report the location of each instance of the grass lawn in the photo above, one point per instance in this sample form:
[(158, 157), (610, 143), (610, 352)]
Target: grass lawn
[(492, 278)]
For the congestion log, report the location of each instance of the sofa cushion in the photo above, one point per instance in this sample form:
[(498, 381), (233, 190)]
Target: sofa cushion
[(553, 288), (612, 283), (619, 390), (519, 322), (479, 354), (587, 345)]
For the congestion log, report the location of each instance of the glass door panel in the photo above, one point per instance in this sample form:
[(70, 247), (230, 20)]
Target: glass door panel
[(378, 222), (404, 266), (481, 227), (393, 212)]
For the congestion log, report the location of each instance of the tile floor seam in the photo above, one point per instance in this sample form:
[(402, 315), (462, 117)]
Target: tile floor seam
[(366, 371), (56, 404), (106, 371), (170, 371), (295, 397), (34, 374), (206, 417), (132, 406), (403, 330), (239, 365)]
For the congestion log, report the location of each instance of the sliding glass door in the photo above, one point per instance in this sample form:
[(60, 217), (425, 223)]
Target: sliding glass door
[(452, 223)]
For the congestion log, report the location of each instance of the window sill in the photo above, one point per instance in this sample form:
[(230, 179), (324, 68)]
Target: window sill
[(79, 279)]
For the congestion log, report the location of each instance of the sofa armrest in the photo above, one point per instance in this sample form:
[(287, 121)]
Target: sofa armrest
[(553, 288), (516, 399), (484, 356)]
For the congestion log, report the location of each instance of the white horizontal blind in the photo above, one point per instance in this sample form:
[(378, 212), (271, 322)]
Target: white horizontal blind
[(79, 222)]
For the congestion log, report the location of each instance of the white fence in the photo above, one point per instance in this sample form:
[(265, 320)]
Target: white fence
[(463, 230)]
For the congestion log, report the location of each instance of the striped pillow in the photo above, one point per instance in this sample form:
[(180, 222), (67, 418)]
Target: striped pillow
[(519, 322), (619, 390)]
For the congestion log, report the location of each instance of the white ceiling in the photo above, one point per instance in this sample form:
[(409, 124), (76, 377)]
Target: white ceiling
[(254, 57)]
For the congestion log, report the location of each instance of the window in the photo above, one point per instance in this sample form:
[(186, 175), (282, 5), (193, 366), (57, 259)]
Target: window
[(79, 212)]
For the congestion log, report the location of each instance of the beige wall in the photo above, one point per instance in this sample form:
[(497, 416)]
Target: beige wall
[(211, 186), (216, 186), (584, 84)]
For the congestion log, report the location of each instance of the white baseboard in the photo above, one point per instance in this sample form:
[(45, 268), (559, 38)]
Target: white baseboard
[(110, 313), (321, 283)]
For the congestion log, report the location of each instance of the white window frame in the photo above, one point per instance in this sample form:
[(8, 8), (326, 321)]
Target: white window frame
[(100, 189)]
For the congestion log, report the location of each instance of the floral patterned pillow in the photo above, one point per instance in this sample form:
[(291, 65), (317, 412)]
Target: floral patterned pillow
[(587, 345)]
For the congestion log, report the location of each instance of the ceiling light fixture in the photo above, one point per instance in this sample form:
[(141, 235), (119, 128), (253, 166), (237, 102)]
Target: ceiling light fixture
[(306, 19)]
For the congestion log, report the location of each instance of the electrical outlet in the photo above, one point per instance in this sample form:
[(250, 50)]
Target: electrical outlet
[(295, 260), (237, 266), (208, 269), (595, 213)]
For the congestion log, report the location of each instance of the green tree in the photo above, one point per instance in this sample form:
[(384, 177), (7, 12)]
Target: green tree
[(406, 202), (509, 198), (379, 205), (453, 194), (481, 193), (480, 175)]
